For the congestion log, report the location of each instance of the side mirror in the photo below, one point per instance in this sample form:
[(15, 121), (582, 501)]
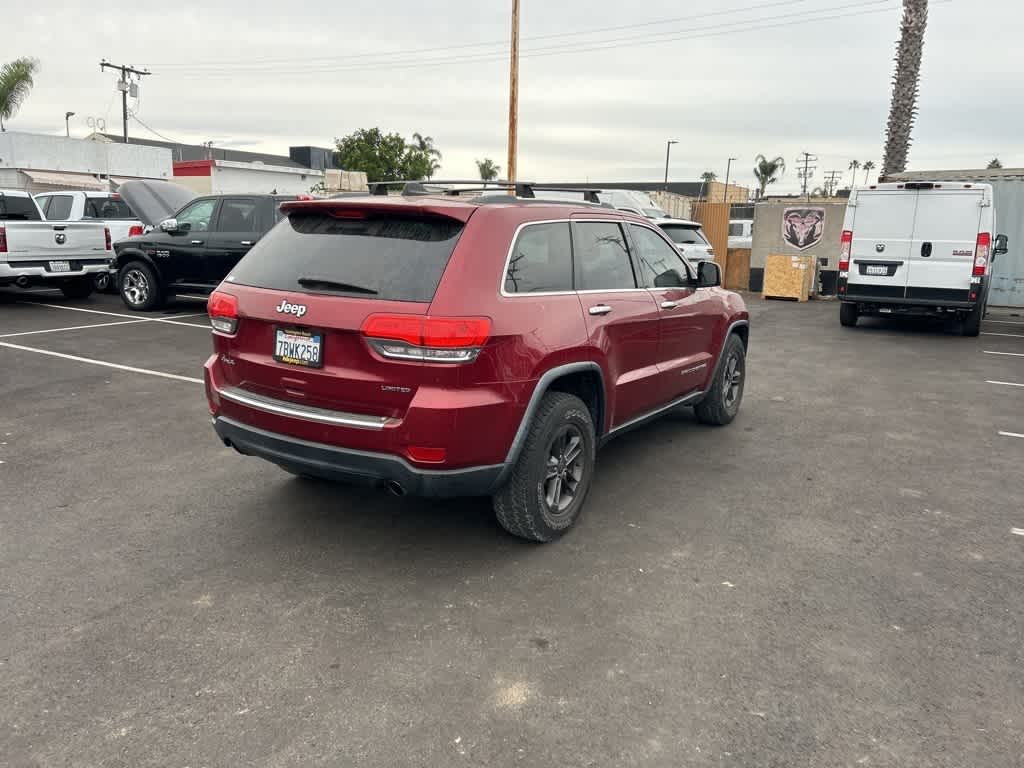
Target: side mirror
[(169, 225), (708, 274), (1000, 245)]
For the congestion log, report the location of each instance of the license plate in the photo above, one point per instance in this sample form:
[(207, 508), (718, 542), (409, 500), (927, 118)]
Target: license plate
[(298, 347), (876, 269), (60, 266)]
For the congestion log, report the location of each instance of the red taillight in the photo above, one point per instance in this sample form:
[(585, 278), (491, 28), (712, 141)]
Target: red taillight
[(426, 454), (3, 240), (845, 243), (223, 311), (106, 237), (981, 253), (135, 230), (425, 338)]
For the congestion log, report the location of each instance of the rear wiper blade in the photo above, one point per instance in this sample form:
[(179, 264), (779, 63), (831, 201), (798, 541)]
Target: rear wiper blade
[(334, 285)]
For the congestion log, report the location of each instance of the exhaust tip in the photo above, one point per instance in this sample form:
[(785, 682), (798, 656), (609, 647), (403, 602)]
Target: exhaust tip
[(394, 488), (22, 282)]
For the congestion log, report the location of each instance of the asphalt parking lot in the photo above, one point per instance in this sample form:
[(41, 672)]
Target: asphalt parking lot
[(833, 580)]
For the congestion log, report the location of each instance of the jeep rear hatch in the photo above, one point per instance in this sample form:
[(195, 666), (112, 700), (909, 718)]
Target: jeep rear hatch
[(330, 308)]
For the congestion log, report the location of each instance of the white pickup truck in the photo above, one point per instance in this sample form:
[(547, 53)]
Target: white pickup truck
[(64, 255)]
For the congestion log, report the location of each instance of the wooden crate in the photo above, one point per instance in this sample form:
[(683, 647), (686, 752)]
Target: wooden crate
[(788, 277)]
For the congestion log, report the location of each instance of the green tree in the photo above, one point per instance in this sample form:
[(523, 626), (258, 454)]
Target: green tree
[(854, 165), (994, 164), (905, 83), (768, 171), (15, 84), (488, 170), (425, 144), (385, 156), (869, 166), (708, 176)]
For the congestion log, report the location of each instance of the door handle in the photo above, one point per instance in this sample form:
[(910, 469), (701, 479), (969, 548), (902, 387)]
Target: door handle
[(926, 249), (669, 305), (246, 242), (600, 309), (197, 242)]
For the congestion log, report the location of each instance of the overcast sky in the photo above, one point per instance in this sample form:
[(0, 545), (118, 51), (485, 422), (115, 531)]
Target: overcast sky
[(748, 77)]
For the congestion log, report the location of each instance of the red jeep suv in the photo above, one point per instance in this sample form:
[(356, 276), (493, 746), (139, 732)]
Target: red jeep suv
[(447, 346)]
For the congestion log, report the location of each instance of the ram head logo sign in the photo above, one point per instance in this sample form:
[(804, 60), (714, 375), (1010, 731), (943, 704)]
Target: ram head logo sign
[(802, 228)]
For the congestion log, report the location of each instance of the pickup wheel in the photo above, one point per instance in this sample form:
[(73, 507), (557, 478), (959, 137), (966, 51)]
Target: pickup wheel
[(721, 403), (848, 314), (139, 287), (78, 288), (552, 476)]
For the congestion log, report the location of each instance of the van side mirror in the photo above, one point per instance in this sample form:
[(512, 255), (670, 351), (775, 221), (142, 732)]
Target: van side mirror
[(1000, 246), (708, 274)]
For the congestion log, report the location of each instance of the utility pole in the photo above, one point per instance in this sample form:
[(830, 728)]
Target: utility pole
[(668, 149), (123, 86), (728, 167), (831, 181), (808, 170), (513, 95)]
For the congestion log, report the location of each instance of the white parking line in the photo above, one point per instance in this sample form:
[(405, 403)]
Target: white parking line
[(1008, 354), (1017, 531), (129, 368), (1004, 383), (73, 328), (1013, 335), (1006, 322), (120, 314), (1011, 434)]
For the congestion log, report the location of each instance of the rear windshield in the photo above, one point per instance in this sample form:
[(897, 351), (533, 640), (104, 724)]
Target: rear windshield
[(684, 234), (107, 208), (398, 258), (18, 208)]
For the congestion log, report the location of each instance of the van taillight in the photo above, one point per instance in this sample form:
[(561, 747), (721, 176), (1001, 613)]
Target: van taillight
[(223, 311), (106, 238), (135, 231), (426, 338), (981, 252), (3, 240), (845, 243)]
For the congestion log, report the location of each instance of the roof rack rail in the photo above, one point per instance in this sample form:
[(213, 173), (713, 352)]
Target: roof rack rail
[(524, 189)]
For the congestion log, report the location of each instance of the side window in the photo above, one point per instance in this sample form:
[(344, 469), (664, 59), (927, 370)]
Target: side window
[(237, 214), (541, 260), (43, 201), (735, 229), (59, 208), (660, 264), (602, 259), (196, 217)]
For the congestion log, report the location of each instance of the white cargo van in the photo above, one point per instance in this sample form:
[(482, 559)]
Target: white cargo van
[(922, 247)]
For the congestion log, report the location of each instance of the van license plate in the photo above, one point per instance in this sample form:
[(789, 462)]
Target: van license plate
[(876, 269), (60, 266), (298, 347)]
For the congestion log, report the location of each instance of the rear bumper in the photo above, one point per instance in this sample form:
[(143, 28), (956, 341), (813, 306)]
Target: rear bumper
[(36, 272), (909, 303), (348, 465)]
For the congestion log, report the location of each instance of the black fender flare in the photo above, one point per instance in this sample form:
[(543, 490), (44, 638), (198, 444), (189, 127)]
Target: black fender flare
[(128, 256)]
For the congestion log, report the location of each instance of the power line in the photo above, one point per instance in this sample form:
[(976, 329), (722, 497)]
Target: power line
[(697, 33), (807, 172), (152, 130), (124, 85), (832, 181), (490, 43)]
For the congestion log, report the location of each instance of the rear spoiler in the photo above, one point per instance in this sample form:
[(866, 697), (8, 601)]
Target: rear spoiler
[(359, 208)]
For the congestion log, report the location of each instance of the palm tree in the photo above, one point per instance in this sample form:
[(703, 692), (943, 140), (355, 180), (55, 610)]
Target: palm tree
[(994, 164), (768, 171), (15, 83), (708, 176), (869, 166), (903, 107), (854, 165), (488, 170), (425, 144)]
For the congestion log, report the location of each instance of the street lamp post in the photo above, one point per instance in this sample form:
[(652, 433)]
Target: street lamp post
[(728, 167), (67, 125), (668, 150)]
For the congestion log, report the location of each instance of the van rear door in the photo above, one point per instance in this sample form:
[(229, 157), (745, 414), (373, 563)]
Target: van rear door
[(883, 229), (942, 250)]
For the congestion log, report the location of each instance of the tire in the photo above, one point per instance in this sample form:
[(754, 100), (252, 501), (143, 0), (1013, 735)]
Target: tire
[(971, 325), (525, 507), (78, 288), (139, 287), (848, 314), (722, 401)]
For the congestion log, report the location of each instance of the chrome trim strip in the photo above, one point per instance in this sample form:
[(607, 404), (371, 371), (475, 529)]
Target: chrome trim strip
[(651, 414), (305, 412)]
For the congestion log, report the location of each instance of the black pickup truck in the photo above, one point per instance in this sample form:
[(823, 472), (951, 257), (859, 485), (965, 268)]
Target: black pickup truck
[(192, 250)]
